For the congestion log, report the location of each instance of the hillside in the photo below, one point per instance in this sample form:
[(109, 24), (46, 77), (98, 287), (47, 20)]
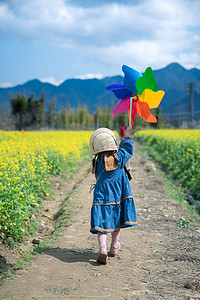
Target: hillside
[(173, 79)]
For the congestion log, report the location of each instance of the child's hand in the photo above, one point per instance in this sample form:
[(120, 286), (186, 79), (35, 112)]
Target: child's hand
[(129, 169), (129, 131)]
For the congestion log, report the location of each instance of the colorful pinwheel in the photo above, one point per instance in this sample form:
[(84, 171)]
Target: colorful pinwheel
[(140, 91)]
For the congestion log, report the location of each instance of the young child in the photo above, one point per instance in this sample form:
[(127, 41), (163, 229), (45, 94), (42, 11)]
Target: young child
[(113, 205)]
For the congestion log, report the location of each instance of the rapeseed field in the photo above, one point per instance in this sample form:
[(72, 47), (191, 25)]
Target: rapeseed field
[(178, 151), (26, 160)]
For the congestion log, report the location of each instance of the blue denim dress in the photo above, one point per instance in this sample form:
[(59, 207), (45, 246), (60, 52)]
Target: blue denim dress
[(113, 205)]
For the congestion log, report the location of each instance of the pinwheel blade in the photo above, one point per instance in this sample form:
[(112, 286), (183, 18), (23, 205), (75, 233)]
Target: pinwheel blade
[(119, 90), (144, 111), (153, 99), (130, 79), (121, 107), (147, 81), (151, 119)]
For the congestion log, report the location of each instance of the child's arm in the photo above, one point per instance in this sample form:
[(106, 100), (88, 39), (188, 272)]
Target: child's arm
[(129, 131), (126, 147)]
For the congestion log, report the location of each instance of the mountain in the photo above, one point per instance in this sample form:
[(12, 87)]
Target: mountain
[(173, 79)]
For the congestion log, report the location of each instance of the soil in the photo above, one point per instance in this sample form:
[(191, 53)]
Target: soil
[(157, 259)]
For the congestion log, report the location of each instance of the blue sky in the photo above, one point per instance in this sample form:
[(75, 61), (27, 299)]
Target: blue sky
[(56, 40)]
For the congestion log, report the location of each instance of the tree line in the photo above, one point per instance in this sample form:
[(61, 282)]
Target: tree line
[(34, 114)]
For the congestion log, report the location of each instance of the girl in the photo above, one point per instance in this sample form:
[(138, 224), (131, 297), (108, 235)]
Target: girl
[(113, 205)]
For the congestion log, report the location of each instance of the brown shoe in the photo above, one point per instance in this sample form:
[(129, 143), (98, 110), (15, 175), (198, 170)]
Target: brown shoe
[(102, 257), (114, 250)]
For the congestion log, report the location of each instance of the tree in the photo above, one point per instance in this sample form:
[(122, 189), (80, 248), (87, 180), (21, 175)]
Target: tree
[(72, 119), (35, 111), (42, 109), (51, 113), (159, 117), (5, 119), (64, 119), (83, 118), (19, 109)]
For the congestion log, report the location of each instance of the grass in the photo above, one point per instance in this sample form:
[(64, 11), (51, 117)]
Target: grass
[(62, 217), (183, 223), (59, 290), (178, 152), (176, 191)]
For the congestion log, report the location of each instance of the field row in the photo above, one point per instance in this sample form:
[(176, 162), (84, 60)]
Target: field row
[(178, 151), (26, 160)]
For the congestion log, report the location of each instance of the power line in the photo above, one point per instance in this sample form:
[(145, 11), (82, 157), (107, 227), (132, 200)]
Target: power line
[(180, 114)]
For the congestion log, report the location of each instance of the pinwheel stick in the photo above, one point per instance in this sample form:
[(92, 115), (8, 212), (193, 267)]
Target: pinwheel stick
[(131, 99)]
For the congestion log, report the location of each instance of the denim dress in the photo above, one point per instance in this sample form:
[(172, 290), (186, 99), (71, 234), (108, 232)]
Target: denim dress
[(113, 205)]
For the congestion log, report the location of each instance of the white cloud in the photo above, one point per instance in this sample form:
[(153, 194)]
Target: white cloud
[(52, 80), (61, 23), (90, 76), (138, 33), (6, 85), (189, 60), (139, 54)]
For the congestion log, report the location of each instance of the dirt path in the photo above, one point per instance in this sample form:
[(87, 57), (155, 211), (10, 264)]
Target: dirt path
[(157, 260)]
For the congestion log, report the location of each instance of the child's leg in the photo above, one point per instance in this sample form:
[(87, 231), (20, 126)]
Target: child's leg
[(115, 245), (115, 239), (102, 237), (102, 255)]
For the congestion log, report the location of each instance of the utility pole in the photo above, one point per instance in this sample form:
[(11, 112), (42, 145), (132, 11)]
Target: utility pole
[(178, 113), (191, 104), (97, 120), (190, 88), (171, 118)]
